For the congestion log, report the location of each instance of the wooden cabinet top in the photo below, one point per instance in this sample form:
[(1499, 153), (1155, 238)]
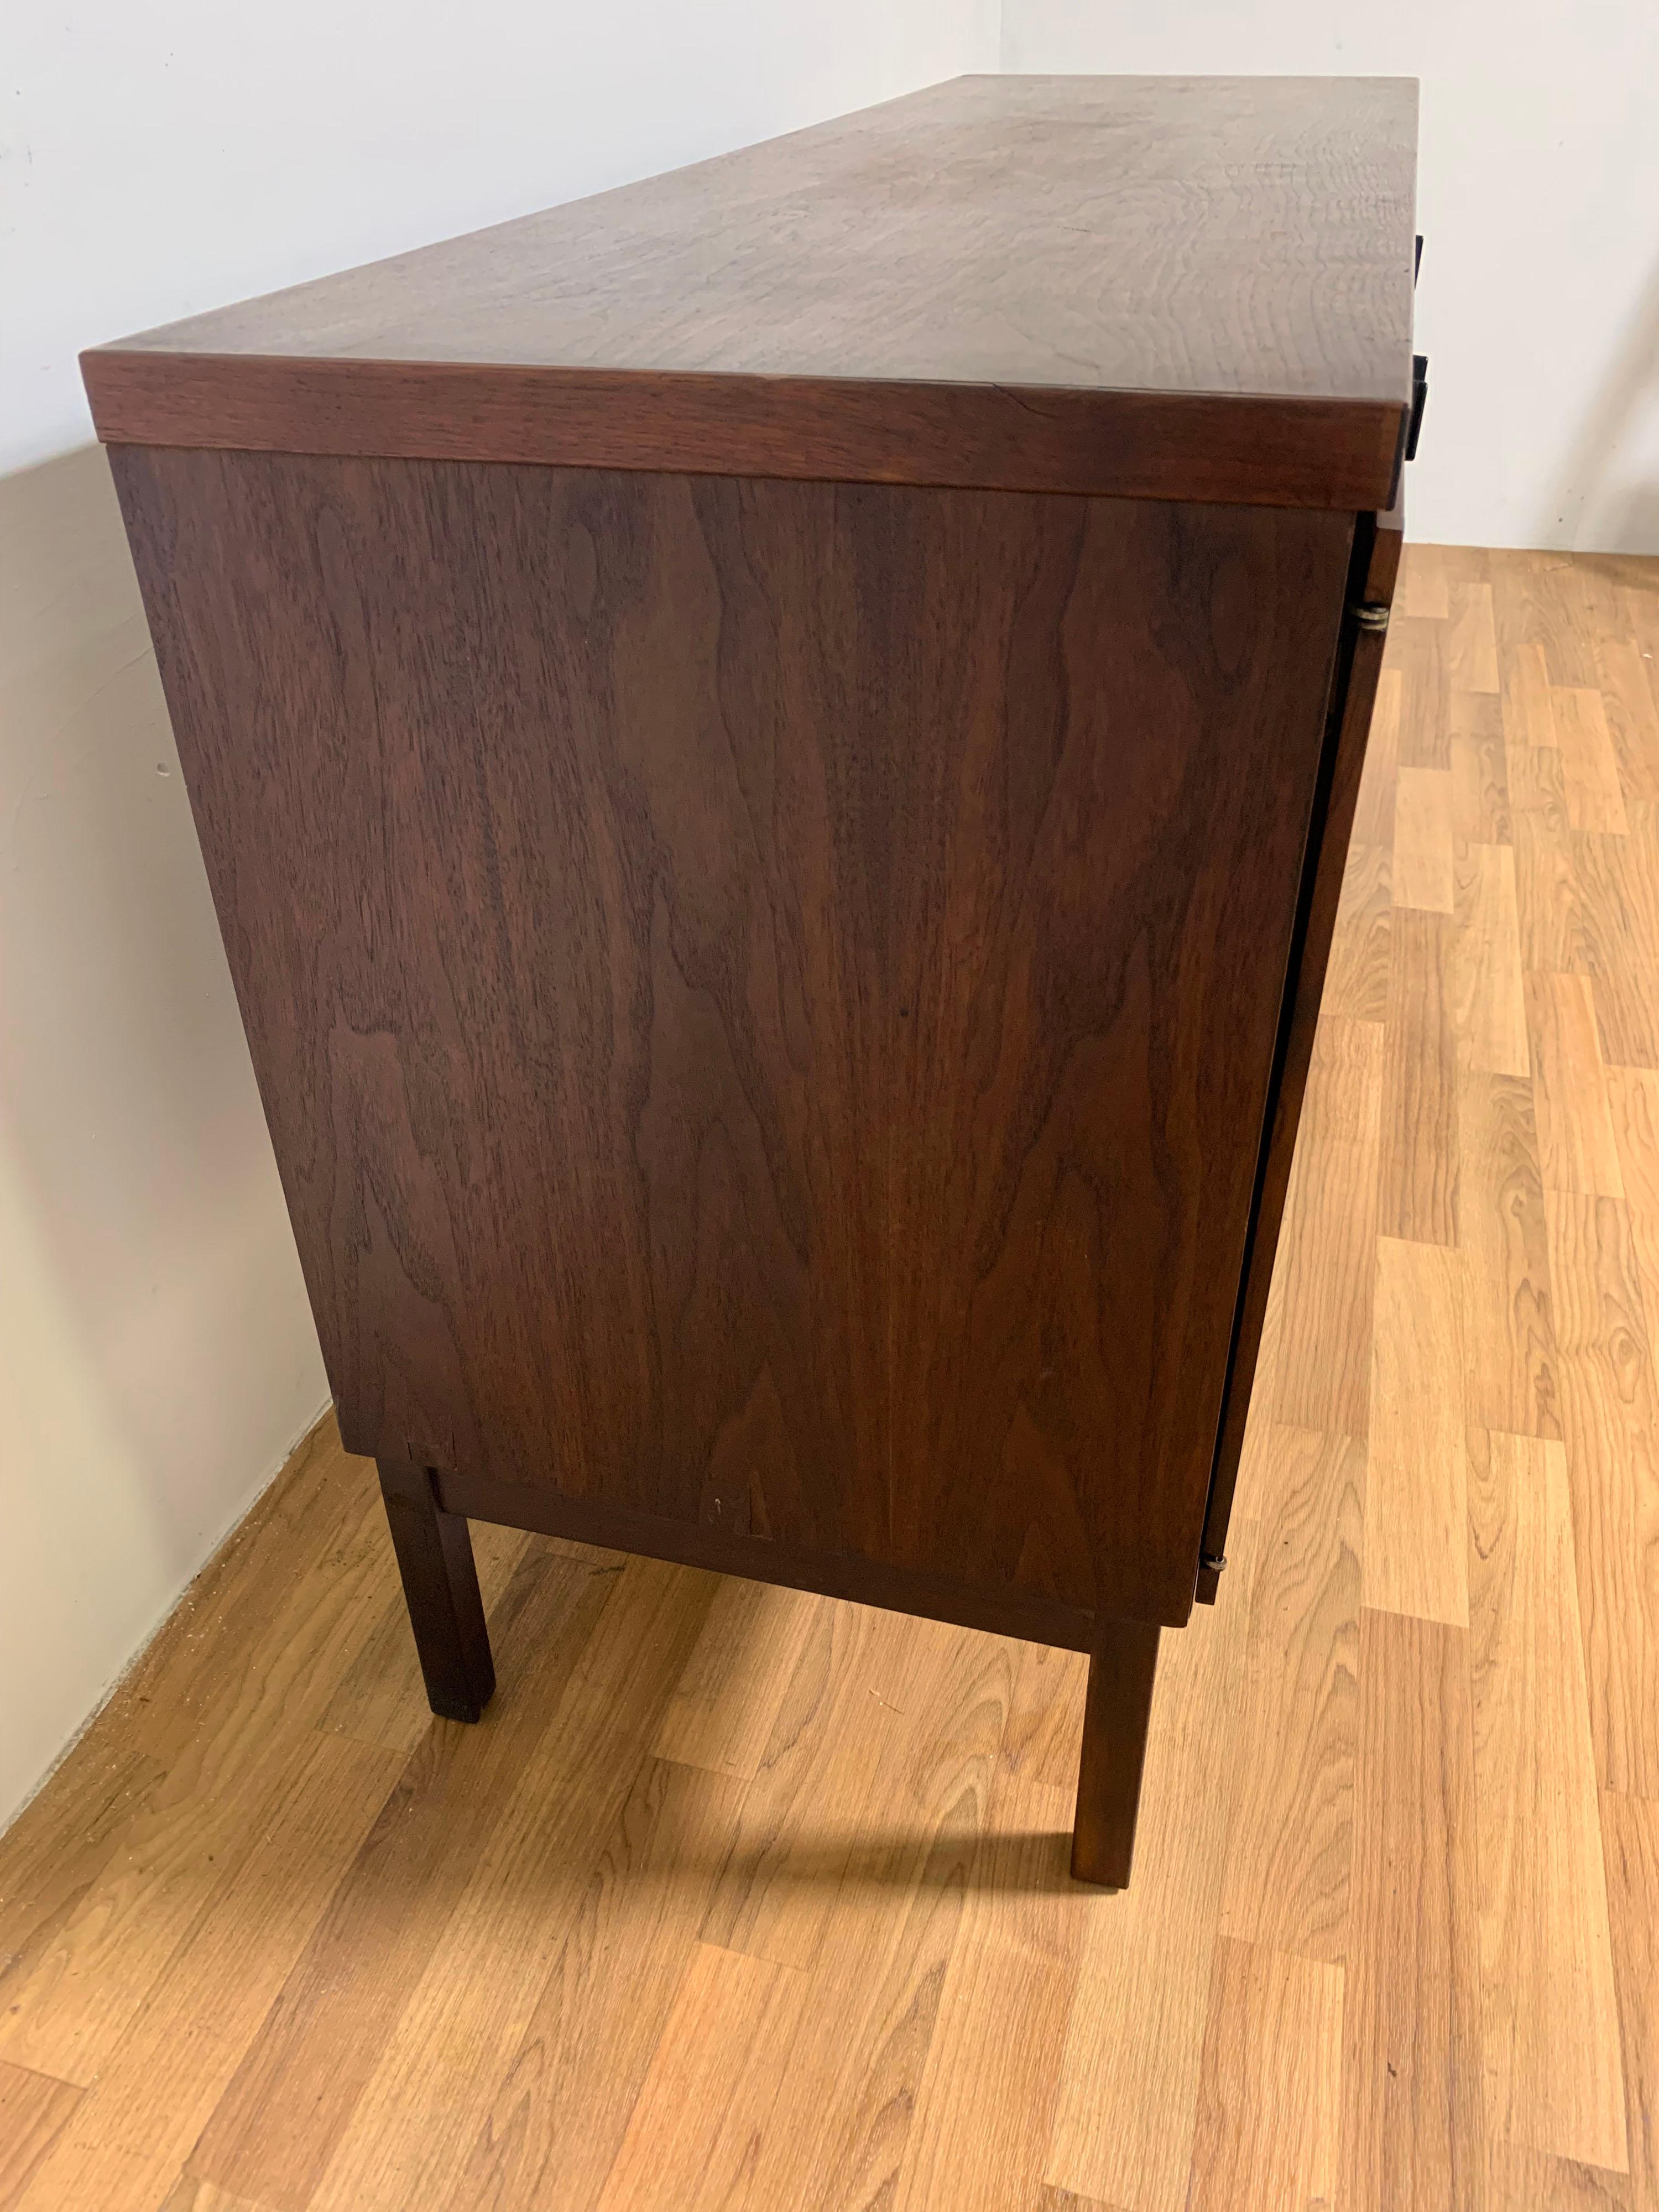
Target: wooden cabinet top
[(1187, 288)]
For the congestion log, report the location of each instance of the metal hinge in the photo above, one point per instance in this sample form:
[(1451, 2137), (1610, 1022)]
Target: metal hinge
[(1212, 1562), (1370, 615)]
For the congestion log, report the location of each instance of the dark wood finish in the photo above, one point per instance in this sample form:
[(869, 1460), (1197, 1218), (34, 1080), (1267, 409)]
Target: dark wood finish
[(441, 1585), (1123, 1666), (1271, 453), (990, 230), (1374, 570), (754, 1031), (1171, 287), (1034, 1615), (781, 968)]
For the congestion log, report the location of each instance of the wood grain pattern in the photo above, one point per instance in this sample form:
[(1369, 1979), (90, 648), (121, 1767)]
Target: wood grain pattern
[(383, 1700), (1524, 682), (1624, 891), (782, 926), (726, 1703), (1412, 2130), (1610, 1422), (1510, 1366), (1624, 672), (189, 2196), (1522, 2181), (911, 1720), (234, 1750), (1418, 649), (1491, 1007), (404, 2138), (1417, 1471), (1577, 1148), (1553, 2078), (1535, 783), (999, 2040), (1425, 589), (1547, 896), (34, 2110), (977, 284), (1472, 644), (771, 1898), (1422, 874), (329, 2025), (1627, 1018), (1630, 1828), (1373, 810), (553, 2125), (1357, 980), (241, 1949), (1418, 1131), (700, 2122), (59, 1846), (1270, 2096), (1288, 1857), (945, 187), (1575, 604), (1480, 770), (1005, 1609), (1612, 930), (248, 1597), (1367, 1800), (1335, 454), (858, 2061), (1330, 1233), (1128, 2090), (1556, 926), (1633, 1102), (1590, 765), (1535, 630)]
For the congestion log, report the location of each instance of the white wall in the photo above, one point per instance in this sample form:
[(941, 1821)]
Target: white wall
[(1539, 303), (157, 1360), (156, 1354)]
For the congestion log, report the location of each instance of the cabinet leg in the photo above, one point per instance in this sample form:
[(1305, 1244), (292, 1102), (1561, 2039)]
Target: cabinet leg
[(1120, 1671), (440, 1586)]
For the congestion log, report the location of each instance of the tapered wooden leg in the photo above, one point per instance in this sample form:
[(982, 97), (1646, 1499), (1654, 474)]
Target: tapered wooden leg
[(1120, 1671), (441, 1584)]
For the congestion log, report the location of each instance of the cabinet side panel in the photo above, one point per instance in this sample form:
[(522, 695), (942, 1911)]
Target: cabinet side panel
[(764, 992)]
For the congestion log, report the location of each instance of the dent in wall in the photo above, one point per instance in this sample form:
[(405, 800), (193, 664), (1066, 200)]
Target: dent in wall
[(157, 1355)]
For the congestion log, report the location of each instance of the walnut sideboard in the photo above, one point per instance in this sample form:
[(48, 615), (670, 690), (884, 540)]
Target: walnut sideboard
[(775, 750)]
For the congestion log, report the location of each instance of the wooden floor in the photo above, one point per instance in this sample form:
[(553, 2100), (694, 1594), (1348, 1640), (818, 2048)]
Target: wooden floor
[(740, 1899)]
